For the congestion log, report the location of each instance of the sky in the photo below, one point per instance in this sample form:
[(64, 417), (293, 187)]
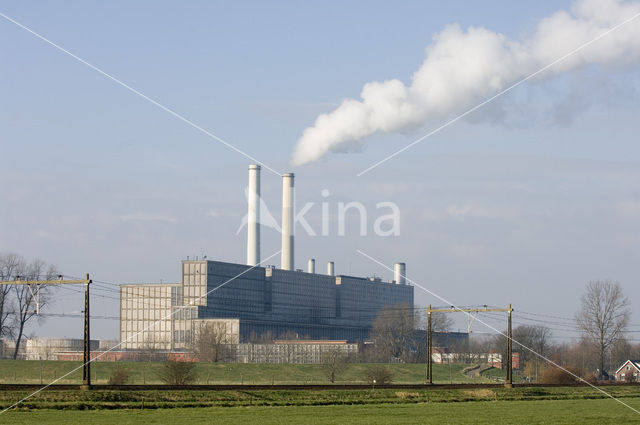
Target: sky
[(523, 201)]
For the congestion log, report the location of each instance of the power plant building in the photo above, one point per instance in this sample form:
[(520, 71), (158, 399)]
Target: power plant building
[(250, 300)]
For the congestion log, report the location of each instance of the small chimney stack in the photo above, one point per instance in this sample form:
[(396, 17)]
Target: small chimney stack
[(311, 266), (330, 270), (399, 273)]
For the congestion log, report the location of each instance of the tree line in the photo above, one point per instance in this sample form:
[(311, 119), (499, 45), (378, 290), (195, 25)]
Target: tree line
[(602, 322)]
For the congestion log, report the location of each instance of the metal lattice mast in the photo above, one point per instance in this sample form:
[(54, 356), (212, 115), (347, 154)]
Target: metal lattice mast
[(86, 369), (508, 310)]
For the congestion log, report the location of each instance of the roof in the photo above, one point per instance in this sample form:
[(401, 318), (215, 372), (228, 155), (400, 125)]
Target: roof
[(634, 363)]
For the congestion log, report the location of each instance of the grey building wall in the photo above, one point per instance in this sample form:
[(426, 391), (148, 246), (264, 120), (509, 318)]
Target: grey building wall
[(265, 300), (145, 315), (310, 305), (47, 348), (300, 352), (8, 346)]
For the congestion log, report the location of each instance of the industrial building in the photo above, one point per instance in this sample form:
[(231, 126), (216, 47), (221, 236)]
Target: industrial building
[(246, 301), (50, 348)]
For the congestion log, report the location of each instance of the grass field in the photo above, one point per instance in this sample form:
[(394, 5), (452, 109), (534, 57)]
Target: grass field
[(600, 411), (29, 372), (531, 405), (495, 374), (169, 399)]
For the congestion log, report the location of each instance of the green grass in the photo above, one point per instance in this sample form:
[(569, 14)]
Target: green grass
[(494, 374), (28, 372), (538, 405), (581, 412), (157, 399)]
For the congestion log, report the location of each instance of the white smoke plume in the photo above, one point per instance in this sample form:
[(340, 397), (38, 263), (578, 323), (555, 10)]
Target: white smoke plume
[(464, 67)]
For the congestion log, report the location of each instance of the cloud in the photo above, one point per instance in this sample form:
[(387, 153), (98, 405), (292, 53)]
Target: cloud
[(464, 67)]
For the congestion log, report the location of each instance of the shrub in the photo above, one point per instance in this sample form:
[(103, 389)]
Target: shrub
[(481, 393), (178, 373), (378, 375), (591, 378), (555, 375), (404, 395), (119, 376), (334, 363)]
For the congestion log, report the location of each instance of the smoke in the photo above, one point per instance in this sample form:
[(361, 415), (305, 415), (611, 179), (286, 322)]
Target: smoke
[(464, 67)]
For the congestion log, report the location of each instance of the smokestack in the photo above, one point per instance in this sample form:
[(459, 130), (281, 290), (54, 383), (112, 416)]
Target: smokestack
[(287, 222), (253, 216), (399, 273), (330, 268), (311, 266)]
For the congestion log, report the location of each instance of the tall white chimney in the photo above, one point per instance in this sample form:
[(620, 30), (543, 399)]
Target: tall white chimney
[(399, 273), (311, 266), (287, 222), (253, 216), (330, 270)]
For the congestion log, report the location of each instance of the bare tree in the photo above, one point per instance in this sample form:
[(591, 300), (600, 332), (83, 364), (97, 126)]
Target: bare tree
[(30, 298), (178, 373), (604, 315), (441, 322), (151, 348), (334, 362), (583, 354), (393, 331), (212, 342), (537, 339), (621, 351), (378, 375), (10, 266), (540, 343), (119, 376), (266, 339), (289, 348), (541, 339)]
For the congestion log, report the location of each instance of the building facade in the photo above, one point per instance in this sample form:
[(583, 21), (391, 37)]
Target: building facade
[(302, 352), (265, 301), (145, 315), (47, 348), (628, 372)]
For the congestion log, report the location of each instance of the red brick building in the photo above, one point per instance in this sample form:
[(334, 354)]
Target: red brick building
[(629, 371), (495, 360)]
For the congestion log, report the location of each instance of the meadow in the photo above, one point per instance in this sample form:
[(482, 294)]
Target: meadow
[(73, 399), (532, 405), (563, 411), (36, 372)]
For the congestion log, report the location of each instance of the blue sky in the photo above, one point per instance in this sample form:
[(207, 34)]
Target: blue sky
[(523, 209)]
